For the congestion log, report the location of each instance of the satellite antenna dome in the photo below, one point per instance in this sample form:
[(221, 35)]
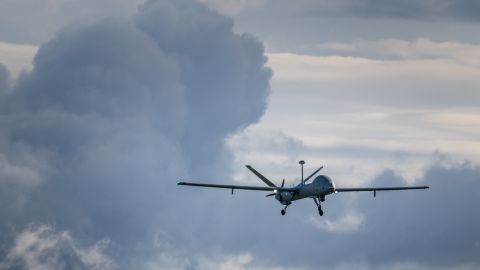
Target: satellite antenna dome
[(301, 162)]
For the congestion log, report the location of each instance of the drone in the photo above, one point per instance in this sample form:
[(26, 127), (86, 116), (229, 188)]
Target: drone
[(318, 189)]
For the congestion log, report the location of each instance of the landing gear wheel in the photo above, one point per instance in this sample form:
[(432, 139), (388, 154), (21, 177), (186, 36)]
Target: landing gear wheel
[(283, 212), (320, 211)]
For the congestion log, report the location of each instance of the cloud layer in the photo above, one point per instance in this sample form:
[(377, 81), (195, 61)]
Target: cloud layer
[(423, 10), (36, 22)]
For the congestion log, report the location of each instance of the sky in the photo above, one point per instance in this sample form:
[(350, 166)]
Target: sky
[(106, 105)]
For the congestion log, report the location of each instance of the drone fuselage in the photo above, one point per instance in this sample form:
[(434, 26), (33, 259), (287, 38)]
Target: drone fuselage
[(322, 185)]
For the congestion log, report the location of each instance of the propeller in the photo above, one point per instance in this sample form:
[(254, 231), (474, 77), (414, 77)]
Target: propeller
[(271, 194), (311, 175)]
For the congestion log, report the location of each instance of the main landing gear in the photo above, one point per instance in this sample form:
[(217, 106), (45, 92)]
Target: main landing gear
[(320, 211), (284, 210)]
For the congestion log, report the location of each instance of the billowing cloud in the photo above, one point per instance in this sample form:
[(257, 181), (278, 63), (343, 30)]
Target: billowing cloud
[(115, 112), (41, 247)]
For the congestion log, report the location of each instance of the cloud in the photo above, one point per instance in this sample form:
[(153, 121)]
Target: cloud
[(351, 222), (396, 228), (178, 260), (114, 113), (41, 247), (421, 48), (423, 10), (236, 81), (35, 22), (233, 7), (274, 150), (430, 218), (412, 80), (371, 105), (4, 80), (17, 57), (400, 230)]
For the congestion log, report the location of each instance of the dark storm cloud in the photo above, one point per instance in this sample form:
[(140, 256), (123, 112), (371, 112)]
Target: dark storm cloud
[(113, 113), (410, 9)]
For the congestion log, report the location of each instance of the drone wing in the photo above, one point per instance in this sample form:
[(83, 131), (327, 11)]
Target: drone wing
[(375, 189), (232, 187), (270, 186)]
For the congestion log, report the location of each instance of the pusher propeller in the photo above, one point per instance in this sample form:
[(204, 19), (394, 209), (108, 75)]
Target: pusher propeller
[(271, 194)]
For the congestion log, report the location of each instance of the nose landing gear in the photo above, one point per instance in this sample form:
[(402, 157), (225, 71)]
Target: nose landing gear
[(284, 210)]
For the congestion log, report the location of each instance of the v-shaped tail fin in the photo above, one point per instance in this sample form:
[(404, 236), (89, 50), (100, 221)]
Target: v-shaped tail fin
[(259, 175)]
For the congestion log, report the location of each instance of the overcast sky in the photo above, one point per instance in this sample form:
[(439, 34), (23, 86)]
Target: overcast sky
[(106, 105)]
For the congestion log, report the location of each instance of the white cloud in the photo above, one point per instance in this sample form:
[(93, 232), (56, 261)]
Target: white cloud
[(421, 48), (22, 169), (272, 152), (243, 261), (294, 67), (232, 7), (349, 223), (41, 247), (17, 57), (170, 256)]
